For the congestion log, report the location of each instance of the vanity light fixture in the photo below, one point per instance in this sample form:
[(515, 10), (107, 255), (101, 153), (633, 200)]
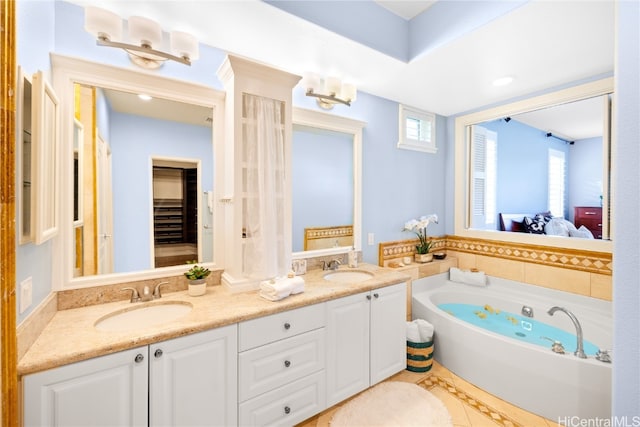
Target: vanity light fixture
[(145, 37), (330, 92)]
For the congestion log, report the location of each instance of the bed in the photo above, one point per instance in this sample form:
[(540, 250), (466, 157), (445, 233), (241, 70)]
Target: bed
[(542, 223)]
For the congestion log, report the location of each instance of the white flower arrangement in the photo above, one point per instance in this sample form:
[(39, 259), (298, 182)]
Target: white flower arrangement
[(419, 227)]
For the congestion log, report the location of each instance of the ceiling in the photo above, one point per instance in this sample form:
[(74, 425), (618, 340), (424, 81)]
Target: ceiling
[(542, 44)]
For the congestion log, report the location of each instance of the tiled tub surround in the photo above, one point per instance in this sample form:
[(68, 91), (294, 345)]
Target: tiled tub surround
[(70, 335), (518, 371), (580, 272)]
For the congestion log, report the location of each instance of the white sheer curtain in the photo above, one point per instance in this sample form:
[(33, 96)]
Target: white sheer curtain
[(265, 253)]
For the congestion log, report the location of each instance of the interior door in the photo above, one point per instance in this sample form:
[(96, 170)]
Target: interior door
[(105, 207)]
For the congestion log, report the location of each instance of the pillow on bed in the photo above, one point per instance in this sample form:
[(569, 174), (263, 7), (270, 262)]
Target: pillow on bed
[(583, 232), (534, 225), (557, 227)]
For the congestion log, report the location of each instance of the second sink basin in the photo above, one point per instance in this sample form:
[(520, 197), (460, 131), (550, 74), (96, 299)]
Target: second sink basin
[(348, 276), (142, 316)]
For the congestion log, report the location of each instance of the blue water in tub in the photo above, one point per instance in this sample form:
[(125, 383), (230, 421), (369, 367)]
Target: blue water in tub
[(515, 326)]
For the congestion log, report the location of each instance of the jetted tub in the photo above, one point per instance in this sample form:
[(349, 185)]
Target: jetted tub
[(555, 386)]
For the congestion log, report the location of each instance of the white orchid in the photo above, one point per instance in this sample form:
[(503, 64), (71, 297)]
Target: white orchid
[(419, 227)]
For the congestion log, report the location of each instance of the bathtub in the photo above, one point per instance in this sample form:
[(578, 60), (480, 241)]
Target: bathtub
[(532, 377)]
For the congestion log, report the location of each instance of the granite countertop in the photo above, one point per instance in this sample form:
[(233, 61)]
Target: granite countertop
[(70, 336)]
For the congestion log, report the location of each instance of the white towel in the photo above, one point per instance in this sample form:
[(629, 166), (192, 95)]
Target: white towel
[(419, 330), (476, 278), (279, 288)]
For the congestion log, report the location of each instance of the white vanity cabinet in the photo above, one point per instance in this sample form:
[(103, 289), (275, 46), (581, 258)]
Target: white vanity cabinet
[(185, 381), (281, 362), (366, 340)]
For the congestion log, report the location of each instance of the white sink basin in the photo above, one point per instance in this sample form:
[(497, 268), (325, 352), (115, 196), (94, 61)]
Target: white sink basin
[(347, 276), (142, 316)]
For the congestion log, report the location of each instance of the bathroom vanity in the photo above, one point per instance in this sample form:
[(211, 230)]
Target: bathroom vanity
[(234, 359)]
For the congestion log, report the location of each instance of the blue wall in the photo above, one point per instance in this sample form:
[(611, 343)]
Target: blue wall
[(523, 169), (585, 178), (134, 141), (322, 181)]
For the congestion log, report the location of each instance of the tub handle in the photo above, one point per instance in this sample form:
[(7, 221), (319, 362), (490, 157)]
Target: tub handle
[(603, 356), (556, 346)]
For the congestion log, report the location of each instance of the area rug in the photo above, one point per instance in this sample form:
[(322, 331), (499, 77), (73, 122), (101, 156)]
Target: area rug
[(393, 404)]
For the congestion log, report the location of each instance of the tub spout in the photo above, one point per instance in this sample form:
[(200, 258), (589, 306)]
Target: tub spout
[(579, 347)]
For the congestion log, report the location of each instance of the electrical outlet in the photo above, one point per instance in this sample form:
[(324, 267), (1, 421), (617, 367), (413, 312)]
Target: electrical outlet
[(370, 239), (26, 294)]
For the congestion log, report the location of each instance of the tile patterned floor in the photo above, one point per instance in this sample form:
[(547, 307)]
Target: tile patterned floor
[(468, 405)]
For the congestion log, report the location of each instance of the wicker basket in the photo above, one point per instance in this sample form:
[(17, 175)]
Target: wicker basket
[(419, 356)]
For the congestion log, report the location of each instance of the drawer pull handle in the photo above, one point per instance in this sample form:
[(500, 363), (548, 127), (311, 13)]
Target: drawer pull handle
[(376, 295), (287, 326), (368, 297), (158, 353), (139, 358), (589, 213), (287, 410), (287, 363)]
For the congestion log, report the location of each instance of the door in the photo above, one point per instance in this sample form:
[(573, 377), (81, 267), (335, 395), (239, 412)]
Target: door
[(388, 331), (347, 346), (193, 380), (105, 207), (105, 391)]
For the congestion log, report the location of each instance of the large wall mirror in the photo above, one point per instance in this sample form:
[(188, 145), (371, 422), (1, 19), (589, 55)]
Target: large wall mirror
[(326, 188), (538, 171), (140, 197)]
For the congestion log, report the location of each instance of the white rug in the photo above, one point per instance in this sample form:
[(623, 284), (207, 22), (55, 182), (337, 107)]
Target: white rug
[(393, 403)]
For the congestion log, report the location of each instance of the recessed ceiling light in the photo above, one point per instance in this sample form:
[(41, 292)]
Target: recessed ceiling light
[(145, 97), (503, 81)]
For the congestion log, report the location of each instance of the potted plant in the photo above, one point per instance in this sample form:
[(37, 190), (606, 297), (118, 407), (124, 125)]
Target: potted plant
[(419, 227), (197, 276)]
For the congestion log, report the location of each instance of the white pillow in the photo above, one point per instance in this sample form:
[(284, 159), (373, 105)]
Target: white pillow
[(557, 227), (582, 232)]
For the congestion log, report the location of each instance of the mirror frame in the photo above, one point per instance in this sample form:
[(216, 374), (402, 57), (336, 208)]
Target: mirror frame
[(66, 72), (319, 120), (462, 174)]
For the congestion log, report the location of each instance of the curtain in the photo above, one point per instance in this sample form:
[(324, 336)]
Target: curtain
[(266, 253)]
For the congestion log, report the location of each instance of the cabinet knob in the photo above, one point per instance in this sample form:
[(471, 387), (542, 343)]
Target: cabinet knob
[(158, 353), (139, 358), (287, 410), (368, 297), (287, 326), (376, 295), (287, 363)]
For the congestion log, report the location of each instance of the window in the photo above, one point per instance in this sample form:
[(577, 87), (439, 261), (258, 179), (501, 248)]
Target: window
[(417, 130), (557, 168), (484, 150)]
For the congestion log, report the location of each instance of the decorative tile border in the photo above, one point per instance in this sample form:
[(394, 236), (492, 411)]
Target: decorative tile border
[(589, 261), (493, 414)]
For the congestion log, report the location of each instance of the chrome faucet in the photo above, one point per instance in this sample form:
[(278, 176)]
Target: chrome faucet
[(331, 265), (579, 346), (147, 295), (527, 311)]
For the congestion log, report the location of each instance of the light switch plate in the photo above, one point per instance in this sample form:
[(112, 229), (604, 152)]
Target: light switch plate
[(26, 294)]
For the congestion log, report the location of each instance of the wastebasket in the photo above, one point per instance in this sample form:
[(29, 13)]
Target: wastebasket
[(419, 346)]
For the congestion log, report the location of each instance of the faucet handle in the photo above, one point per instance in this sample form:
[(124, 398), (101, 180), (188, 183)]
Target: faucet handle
[(156, 290), (135, 296), (603, 356)]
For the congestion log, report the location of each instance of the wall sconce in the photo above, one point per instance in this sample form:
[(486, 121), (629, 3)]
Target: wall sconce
[(145, 36), (332, 92)]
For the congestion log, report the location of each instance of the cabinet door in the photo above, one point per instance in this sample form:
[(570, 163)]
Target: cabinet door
[(388, 331), (105, 391), (192, 379), (347, 346)]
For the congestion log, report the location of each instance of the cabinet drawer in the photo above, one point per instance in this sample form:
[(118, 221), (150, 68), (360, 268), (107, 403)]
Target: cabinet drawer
[(588, 213), (273, 365), (257, 332), (287, 405)]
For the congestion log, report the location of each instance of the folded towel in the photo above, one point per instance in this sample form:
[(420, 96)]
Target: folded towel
[(279, 288), (419, 330), (476, 278)]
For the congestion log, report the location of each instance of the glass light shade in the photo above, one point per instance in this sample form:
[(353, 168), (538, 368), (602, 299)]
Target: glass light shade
[(184, 45), (311, 82), (103, 23), (332, 85), (349, 92), (145, 31)]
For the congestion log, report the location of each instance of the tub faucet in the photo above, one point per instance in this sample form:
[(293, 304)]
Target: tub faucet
[(579, 346), (527, 311)]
